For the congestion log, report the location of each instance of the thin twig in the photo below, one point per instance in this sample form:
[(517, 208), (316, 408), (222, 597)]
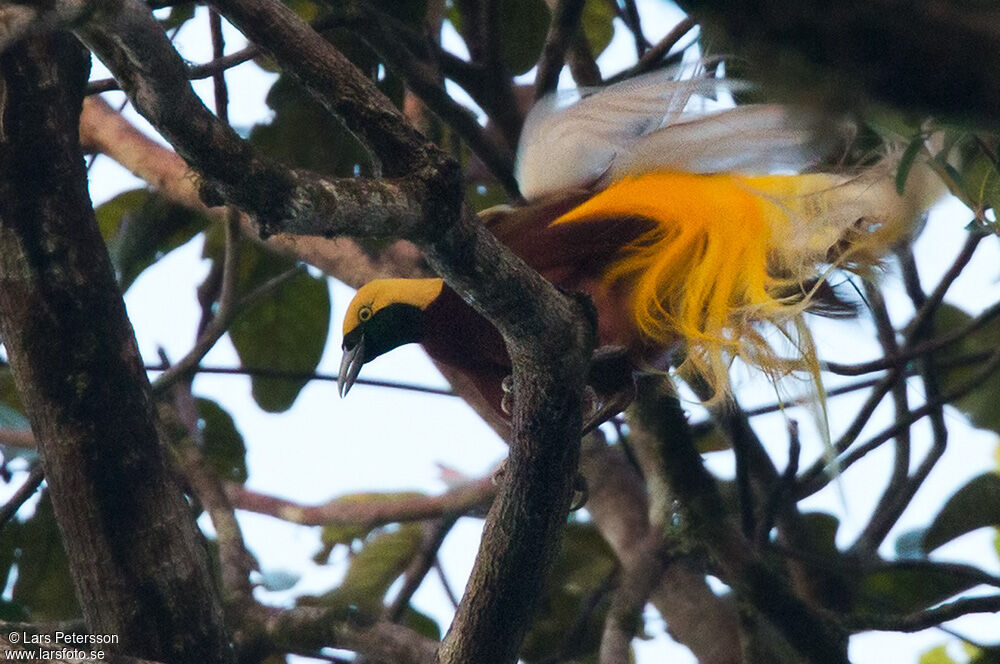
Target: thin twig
[(630, 16), (912, 335), (915, 622), (808, 484), (219, 77), (565, 22), (218, 326), (782, 489), (932, 301), (422, 563), (445, 585), (34, 480), (624, 617), (421, 76), (881, 521), (654, 56), (308, 375), (195, 73)]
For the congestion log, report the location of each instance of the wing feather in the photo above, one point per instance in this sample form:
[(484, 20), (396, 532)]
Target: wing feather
[(591, 139)]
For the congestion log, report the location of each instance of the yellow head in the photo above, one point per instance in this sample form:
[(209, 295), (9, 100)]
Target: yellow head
[(384, 314)]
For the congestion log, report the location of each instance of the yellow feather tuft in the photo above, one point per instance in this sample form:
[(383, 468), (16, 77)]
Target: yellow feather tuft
[(727, 249)]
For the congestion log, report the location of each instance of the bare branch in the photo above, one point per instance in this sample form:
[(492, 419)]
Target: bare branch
[(654, 56), (23, 493), (368, 510), (313, 627), (915, 622), (695, 616), (18, 21), (624, 617), (104, 130), (657, 413), (811, 481), (137, 562), (196, 72), (565, 22)]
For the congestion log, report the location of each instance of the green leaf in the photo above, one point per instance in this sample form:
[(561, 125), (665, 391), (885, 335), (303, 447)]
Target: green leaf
[(421, 623), (597, 22), (523, 27), (43, 585), (410, 12), (12, 612), (178, 16), (374, 569), (936, 655), (571, 612), (820, 539), (8, 390), (708, 438), (906, 588), (285, 330), (982, 182), (485, 196), (979, 405), (305, 9), (906, 162), (332, 535), (306, 135), (223, 444), (140, 227), (975, 505), (985, 655)]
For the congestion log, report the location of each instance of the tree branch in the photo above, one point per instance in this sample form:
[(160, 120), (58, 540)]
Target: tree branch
[(565, 21), (363, 510), (657, 413), (23, 493), (136, 558), (104, 130)]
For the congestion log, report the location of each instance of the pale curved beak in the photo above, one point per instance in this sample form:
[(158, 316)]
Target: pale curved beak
[(350, 367)]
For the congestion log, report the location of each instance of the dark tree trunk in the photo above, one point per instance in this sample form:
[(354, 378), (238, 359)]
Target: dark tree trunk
[(138, 563)]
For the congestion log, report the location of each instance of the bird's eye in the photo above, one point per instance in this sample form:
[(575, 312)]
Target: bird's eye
[(364, 314)]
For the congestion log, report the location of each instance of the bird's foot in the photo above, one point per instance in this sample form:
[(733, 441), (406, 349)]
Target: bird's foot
[(507, 397)]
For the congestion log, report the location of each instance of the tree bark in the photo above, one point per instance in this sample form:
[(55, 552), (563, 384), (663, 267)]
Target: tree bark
[(138, 563)]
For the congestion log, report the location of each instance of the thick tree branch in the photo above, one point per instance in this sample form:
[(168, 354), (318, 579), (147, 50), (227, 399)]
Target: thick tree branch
[(104, 130), (549, 336), (132, 44), (312, 627), (618, 503), (136, 558), (658, 414)]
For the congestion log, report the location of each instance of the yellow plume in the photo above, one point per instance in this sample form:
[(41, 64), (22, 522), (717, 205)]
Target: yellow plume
[(726, 250)]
